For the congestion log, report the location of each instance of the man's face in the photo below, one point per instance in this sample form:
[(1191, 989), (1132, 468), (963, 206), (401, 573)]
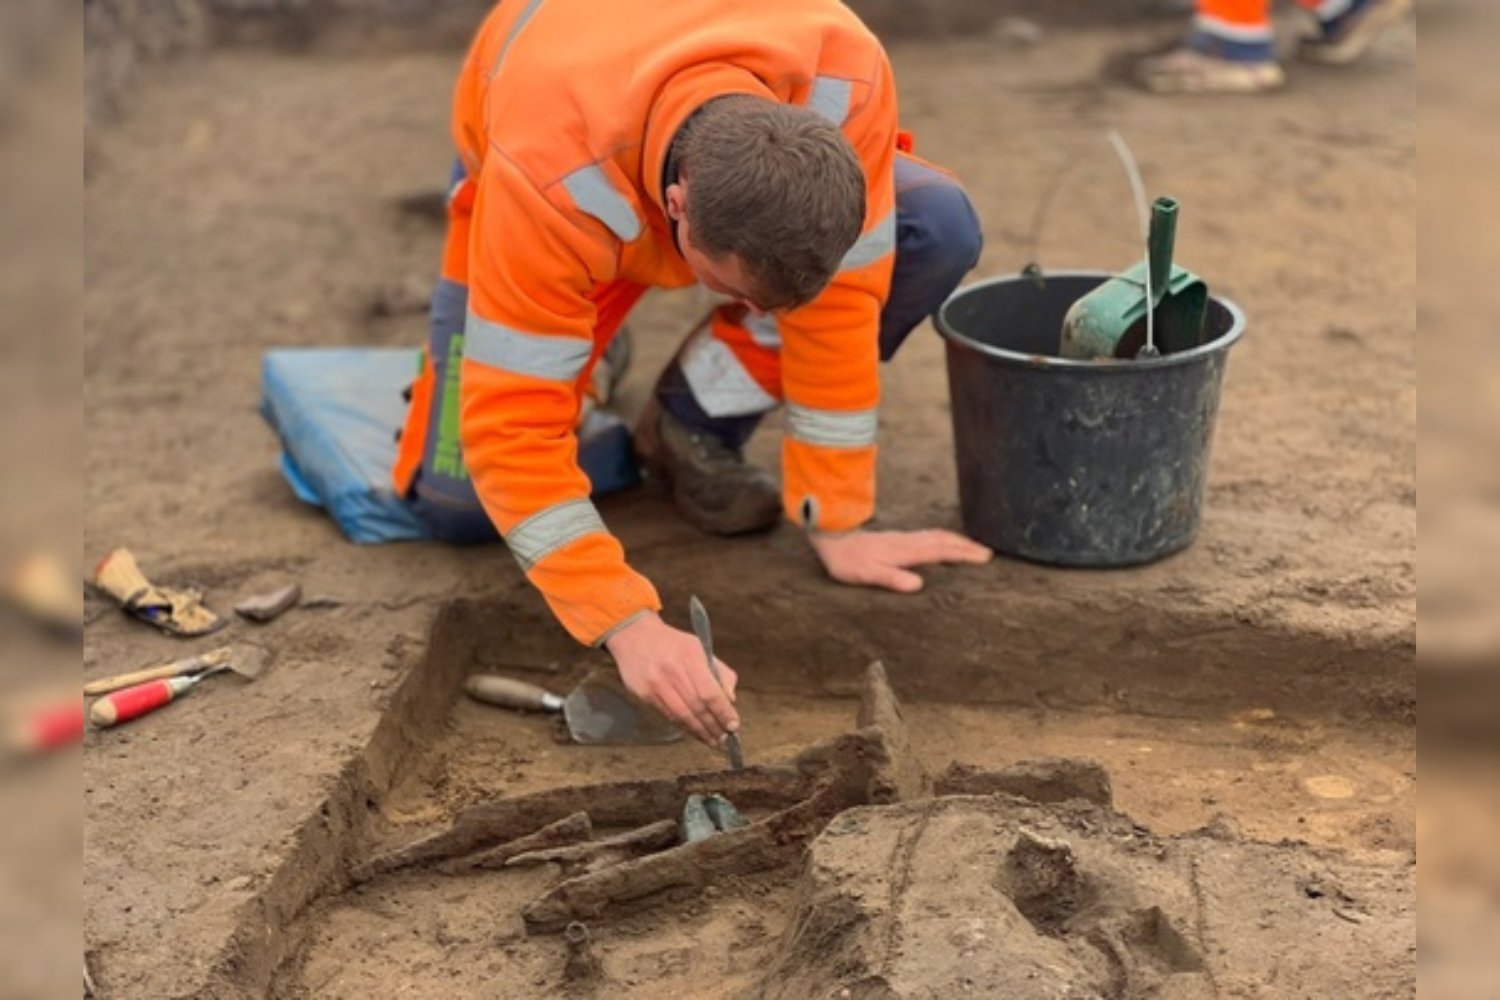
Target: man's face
[(724, 275)]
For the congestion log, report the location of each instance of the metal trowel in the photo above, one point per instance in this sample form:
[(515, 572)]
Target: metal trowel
[(599, 711), (705, 633)]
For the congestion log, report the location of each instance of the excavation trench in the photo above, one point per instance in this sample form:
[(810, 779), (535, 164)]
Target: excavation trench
[(402, 871), (1260, 685)]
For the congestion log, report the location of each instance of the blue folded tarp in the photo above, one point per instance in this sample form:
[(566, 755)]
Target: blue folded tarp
[(337, 411)]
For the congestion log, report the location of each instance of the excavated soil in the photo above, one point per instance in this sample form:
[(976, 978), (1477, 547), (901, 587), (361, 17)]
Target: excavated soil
[(926, 898), (1261, 682), (995, 897)]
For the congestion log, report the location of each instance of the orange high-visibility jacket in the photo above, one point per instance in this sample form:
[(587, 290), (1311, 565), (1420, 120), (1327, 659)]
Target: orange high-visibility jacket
[(563, 116)]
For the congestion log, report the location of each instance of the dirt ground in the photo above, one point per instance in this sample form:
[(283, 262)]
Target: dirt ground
[(1264, 923), (245, 201), (1352, 798)]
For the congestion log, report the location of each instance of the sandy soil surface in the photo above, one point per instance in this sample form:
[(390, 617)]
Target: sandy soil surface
[(1272, 827), (245, 202)]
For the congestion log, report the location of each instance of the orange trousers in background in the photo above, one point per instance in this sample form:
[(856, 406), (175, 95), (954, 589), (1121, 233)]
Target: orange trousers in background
[(1250, 20)]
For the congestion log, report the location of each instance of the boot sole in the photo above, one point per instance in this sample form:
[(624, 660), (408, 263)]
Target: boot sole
[(1361, 36), (748, 522), (1262, 81)]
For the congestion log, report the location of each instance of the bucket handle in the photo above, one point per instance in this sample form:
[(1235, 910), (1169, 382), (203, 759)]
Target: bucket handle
[(1033, 269), (1138, 192)]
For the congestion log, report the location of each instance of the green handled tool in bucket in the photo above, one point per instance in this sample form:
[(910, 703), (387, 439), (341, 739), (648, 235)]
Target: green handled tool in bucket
[(1114, 321)]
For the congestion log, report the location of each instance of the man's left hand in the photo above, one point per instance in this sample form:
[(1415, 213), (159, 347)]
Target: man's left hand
[(885, 558)]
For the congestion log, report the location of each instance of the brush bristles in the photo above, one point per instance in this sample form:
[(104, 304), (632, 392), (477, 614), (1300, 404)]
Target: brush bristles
[(120, 577)]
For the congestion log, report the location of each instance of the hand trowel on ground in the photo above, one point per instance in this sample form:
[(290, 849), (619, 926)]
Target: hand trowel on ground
[(598, 711)]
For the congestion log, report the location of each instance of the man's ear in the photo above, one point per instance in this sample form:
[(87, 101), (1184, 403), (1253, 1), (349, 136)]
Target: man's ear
[(676, 200)]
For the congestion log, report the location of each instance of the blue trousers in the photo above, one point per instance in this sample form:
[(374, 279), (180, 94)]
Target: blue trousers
[(938, 241)]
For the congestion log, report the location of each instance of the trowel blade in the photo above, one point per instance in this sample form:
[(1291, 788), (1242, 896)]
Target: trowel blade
[(249, 660), (600, 711)]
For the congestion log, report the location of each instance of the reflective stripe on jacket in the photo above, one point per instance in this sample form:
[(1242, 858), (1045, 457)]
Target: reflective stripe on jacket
[(563, 116)]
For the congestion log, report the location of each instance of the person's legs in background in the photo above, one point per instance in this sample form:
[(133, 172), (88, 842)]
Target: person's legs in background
[(1231, 46), (1347, 28), (713, 394)]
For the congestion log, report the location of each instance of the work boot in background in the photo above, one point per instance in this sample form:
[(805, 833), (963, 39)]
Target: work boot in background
[(714, 488), (1194, 68), (1231, 48), (1341, 40)]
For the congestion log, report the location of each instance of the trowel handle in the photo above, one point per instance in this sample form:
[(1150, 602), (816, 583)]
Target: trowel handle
[(1162, 242), (508, 692), (134, 702), (121, 681), (176, 668)]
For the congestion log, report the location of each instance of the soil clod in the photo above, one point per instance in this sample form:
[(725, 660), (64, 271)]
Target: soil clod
[(266, 607), (1087, 904), (1045, 779), (1041, 876), (904, 776)]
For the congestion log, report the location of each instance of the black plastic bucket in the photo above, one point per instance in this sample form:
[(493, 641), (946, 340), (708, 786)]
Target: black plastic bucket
[(1076, 463)]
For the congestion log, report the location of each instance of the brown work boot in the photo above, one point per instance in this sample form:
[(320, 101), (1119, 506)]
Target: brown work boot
[(713, 486)]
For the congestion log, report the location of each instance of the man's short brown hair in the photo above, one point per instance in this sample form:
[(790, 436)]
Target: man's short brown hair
[(776, 185)]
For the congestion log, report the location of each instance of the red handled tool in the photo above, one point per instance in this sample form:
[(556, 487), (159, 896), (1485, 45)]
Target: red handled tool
[(133, 702), (49, 727)]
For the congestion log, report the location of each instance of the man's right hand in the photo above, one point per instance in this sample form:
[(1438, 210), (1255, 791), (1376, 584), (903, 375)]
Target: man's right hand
[(665, 668)]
